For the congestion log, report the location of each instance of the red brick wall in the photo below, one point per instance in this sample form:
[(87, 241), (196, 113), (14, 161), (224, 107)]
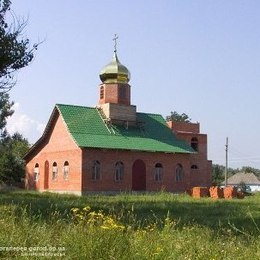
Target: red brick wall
[(187, 131), (111, 94), (108, 159), (59, 147), (202, 152), (184, 127)]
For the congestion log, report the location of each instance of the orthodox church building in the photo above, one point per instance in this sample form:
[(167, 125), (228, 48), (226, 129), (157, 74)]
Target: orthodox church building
[(113, 148)]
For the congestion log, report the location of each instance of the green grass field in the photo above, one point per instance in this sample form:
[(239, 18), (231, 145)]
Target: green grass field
[(128, 226)]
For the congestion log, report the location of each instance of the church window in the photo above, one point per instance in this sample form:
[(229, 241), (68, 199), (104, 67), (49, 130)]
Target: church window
[(194, 143), (101, 92), (36, 172), (66, 170), (119, 171), (96, 171), (194, 167), (179, 173), (54, 171), (158, 172)]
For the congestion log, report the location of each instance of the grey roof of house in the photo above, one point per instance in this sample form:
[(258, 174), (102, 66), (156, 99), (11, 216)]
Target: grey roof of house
[(247, 178)]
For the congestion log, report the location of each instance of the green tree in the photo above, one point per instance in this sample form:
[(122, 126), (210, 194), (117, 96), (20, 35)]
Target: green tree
[(248, 169), (5, 112), (218, 174), (15, 50), (12, 150), (175, 116), (15, 53)]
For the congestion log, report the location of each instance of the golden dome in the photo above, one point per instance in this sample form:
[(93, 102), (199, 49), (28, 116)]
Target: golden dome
[(115, 72)]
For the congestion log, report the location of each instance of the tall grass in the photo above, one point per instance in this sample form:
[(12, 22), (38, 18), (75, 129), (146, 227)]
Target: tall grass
[(153, 226)]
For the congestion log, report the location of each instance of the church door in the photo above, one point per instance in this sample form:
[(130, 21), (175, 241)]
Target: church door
[(46, 175), (139, 175)]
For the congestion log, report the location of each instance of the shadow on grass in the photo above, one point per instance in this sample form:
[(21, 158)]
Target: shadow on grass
[(214, 214)]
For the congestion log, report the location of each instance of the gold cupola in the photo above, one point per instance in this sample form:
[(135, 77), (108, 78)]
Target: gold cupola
[(115, 72), (115, 93)]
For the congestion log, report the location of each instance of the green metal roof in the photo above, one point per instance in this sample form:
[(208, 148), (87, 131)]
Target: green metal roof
[(88, 129)]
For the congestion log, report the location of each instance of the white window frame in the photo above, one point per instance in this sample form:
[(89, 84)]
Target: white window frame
[(179, 176), (96, 171), (119, 171), (66, 169), (36, 172), (158, 174), (54, 171)]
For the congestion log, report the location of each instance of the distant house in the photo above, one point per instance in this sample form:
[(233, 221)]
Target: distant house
[(248, 179)]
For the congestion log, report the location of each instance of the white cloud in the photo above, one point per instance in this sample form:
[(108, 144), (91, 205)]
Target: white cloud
[(23, 124)]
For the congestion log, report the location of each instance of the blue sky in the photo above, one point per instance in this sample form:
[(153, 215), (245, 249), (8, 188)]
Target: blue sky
[(200, 57)]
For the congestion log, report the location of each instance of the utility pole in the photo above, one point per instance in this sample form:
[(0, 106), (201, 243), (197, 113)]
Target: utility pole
[(226, 168)]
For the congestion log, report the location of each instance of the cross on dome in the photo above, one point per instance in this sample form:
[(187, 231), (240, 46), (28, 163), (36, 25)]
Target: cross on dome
[(115, 44), (115, 72)]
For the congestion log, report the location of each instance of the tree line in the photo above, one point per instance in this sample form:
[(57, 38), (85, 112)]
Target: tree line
[(15, 54)]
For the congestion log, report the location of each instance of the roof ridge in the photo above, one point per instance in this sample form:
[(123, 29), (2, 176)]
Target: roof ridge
[(144, 113), (68, 105), (140, 113)]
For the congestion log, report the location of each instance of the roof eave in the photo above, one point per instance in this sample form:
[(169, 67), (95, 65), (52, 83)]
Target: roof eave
[(44, 135), (137, 150)]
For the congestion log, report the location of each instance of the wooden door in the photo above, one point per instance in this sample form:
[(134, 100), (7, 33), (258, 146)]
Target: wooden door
[(46, 175), (139, 176)]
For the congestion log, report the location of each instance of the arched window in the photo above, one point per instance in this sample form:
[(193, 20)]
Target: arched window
[(158, 172), (36, 172), (54, 171), (179, 173), (194, 167), (66, 170), (119, 171), (195, 143), (101, 92), (96, 171)]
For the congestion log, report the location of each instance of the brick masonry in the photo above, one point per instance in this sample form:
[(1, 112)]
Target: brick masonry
[(119, 112), (111, 93), (57, 145), (149, 171)]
